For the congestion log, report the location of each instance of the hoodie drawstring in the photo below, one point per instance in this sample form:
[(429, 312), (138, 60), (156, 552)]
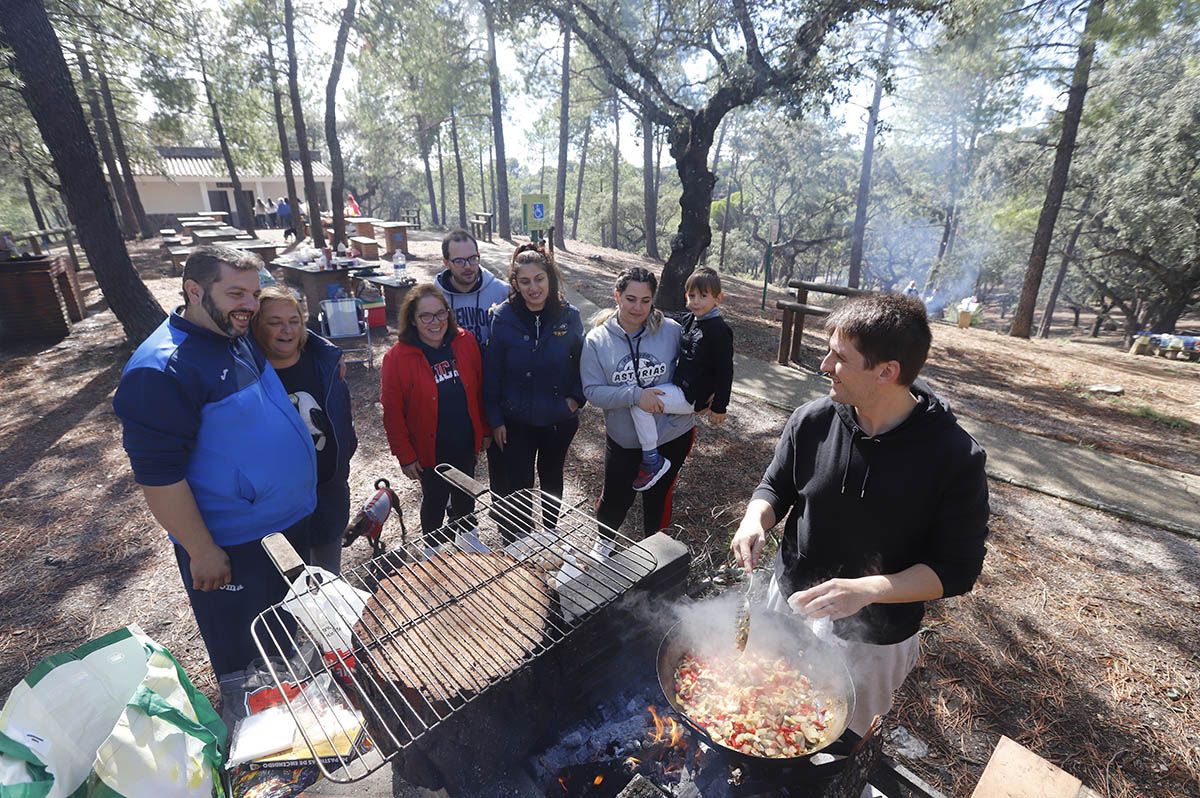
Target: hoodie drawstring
[(862, 492), (849, 455)]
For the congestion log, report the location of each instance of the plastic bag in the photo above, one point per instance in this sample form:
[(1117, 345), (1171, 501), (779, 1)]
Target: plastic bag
[(327, 607), (116, 717)]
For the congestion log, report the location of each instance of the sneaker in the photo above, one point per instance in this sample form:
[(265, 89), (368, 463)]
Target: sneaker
[(650, 473)]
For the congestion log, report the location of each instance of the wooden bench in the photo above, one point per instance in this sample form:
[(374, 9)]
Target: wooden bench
[(167, 232), (369, 247), (481, 226), (794, 312), (178, 255), (172, 241), (411, 217)]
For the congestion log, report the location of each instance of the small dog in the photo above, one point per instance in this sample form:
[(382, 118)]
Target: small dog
[(368, 522)]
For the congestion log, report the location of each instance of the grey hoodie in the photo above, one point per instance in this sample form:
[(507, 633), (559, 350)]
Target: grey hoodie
[(609, 381), (473, 309)]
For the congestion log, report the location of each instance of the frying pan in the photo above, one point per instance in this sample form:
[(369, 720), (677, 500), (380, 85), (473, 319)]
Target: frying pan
[(773, 634)]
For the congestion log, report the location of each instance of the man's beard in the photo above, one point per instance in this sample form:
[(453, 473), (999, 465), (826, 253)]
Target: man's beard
[(218, 317)]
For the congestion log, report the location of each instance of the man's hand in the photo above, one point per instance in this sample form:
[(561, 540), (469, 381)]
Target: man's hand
[(747, 544), (487, 442), (412, 470), (210, 568), (716, 419), (649, 400), (835, 599), (572, 405), (500, 436)]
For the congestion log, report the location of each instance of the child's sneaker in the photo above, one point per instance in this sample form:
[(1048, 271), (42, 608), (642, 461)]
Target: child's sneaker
[(650, 473)]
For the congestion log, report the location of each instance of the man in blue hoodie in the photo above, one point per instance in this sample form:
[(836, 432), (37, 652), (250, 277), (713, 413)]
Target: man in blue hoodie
[(885, 496), (221, 455)]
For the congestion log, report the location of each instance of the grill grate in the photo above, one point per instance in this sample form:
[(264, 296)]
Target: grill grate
[(443, 625)]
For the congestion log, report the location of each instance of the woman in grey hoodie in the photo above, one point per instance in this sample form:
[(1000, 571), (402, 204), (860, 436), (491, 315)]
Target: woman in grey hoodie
[(630, 350)]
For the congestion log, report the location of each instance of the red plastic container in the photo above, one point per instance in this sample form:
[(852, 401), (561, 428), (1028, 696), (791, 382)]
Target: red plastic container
[(376, 315)]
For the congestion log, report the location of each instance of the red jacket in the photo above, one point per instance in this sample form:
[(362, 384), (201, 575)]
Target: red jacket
[(410, 398)]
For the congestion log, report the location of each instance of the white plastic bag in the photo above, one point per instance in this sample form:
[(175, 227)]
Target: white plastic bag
[(327, 608)]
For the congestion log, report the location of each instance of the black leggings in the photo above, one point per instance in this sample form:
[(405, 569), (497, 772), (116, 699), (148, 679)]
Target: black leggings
[(547, 446), (435, 492), (620, 468)]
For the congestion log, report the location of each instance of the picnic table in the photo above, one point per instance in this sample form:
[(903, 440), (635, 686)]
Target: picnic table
[(218, 216), (215, 235), (395, 237), (393, 289), (363, 225), (314, 282), (481, 226)]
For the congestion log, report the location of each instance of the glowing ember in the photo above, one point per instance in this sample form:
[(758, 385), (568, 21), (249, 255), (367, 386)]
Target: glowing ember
[(596, 782), (658, 726), (632, 762), (562, 783)]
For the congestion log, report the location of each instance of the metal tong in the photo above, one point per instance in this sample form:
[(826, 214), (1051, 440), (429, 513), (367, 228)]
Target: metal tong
[(742, 624)]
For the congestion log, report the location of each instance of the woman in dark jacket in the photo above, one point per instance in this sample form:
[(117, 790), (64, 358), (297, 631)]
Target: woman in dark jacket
[(312, 373), (532, 393)]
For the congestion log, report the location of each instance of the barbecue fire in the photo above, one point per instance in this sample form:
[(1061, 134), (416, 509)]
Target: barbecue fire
[(658, 725), (596, 782)]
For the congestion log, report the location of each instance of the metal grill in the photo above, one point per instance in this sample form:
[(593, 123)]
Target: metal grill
[(445, 623)]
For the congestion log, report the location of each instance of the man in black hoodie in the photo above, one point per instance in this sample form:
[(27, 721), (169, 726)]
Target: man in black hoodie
[(885, 496)]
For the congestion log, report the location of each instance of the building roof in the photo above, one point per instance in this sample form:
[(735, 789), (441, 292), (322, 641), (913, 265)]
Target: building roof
[(206, 162)]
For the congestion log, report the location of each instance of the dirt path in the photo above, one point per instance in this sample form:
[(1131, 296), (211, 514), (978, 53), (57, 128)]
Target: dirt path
[(1080, 642)]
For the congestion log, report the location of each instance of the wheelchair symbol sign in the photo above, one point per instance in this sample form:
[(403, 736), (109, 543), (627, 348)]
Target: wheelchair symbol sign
[(539, 210)]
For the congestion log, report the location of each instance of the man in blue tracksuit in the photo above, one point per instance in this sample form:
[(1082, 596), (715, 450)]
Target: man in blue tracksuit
[(221, 455)]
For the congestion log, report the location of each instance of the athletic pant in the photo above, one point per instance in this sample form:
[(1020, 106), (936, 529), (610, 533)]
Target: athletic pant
[(674, 403), (224, 616), (547, 446), (327, 526), (620, 469), (435, 492)]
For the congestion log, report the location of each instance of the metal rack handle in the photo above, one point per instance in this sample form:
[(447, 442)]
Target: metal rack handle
[(458, 479), (280, 550)]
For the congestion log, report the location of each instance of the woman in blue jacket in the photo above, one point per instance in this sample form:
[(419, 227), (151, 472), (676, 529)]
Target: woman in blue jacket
[(532, 392), (311, 371)]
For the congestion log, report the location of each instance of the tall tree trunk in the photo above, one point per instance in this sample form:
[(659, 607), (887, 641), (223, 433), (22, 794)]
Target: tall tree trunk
[(587, 133), (46, 86), (1022, 321), (648, 196), (441, 173), (717, 152), (482, 182), (114, 124), (31, 195), (691, 140), (864, 179), (542, 173), (128, 220), (1052, 300), (425, 145), (613, 223), (338, 182), (564, 124), (285, 152), (310, 184), (244, 209), (728, 202), (504, 225), (492, 181), (458, 170)]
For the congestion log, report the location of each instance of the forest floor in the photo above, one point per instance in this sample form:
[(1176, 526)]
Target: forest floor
[(1080, 640)]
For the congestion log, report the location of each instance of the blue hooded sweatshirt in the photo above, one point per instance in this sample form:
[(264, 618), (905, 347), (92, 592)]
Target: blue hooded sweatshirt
[(201, 406)]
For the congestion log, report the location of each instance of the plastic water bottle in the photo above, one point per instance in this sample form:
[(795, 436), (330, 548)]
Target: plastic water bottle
[(399, 265)]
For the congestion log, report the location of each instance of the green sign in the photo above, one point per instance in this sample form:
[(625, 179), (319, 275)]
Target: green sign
[(535, 211)]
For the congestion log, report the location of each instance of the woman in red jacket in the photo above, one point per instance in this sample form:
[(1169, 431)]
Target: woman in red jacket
[(432, 395)]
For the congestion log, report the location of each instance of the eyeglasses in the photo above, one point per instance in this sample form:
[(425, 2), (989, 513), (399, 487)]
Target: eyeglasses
[(430, 318), (473, 260)]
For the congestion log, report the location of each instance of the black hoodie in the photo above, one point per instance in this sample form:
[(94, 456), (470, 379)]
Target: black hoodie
[(860, 505)]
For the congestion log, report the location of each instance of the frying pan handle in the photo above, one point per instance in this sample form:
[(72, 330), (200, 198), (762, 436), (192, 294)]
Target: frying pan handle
[(460, 480)]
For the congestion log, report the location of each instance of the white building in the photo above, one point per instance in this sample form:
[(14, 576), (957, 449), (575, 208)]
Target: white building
[(193, 179)]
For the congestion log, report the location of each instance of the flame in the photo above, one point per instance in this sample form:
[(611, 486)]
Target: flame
[(658, 725), (632, 763), (676, 732), (596, 782), (562, 783)]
